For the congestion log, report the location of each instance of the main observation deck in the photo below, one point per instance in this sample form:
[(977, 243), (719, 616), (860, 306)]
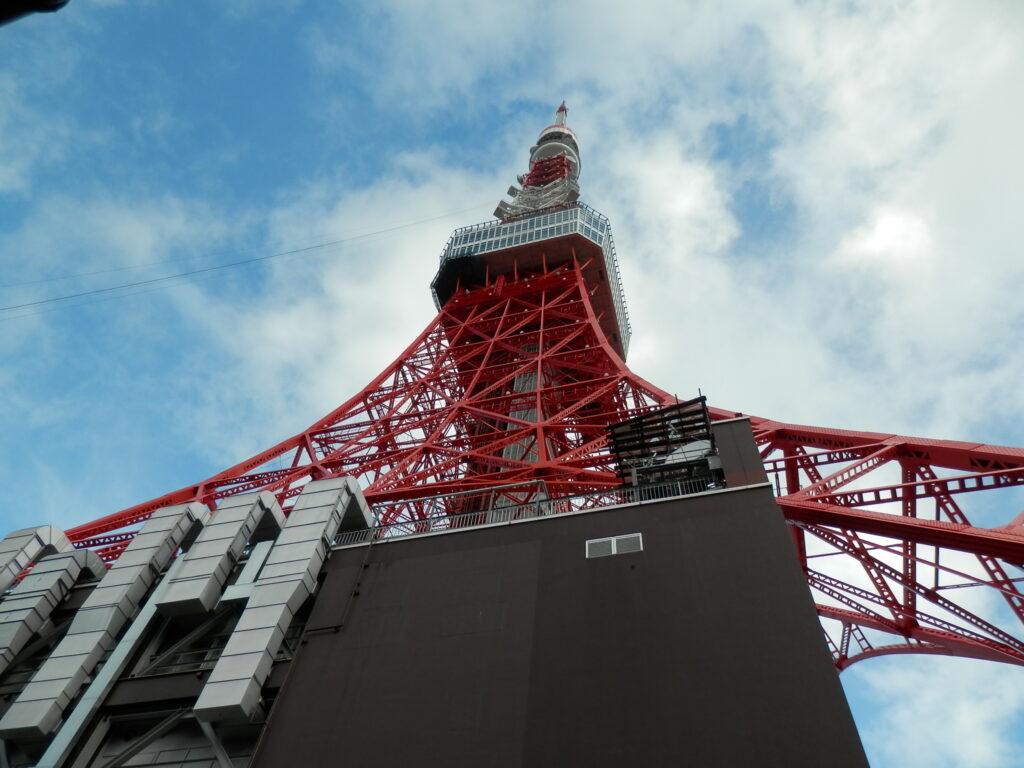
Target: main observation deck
[(549, 237)]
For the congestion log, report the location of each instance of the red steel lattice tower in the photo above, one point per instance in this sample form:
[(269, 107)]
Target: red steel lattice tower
[(506, 397)]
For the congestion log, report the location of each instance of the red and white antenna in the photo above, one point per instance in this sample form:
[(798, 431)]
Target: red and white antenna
[(552, 180)]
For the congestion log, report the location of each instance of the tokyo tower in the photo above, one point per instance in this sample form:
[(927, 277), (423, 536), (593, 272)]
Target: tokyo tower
[(510, 548), (507, 395)]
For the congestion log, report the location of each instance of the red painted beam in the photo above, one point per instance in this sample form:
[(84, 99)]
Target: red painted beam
[(966, 538), (936, 641)]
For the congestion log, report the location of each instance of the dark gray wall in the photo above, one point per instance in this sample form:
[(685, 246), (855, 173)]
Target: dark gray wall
[(741, 463), (506, 647)]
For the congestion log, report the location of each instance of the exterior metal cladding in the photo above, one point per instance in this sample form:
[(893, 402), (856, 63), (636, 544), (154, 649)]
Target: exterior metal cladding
[(111, 605), (30, 603), (212, 557), (508, 549), (286, 581), (21, 548)]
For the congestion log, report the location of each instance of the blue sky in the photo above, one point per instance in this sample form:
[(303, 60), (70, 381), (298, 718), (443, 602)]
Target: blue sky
[(834, 188)]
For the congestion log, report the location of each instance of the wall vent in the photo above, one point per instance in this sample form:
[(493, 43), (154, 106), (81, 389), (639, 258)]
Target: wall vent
[(615, 545)]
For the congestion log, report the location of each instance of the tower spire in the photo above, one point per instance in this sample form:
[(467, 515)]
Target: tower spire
[(552, 180), (561, 113)]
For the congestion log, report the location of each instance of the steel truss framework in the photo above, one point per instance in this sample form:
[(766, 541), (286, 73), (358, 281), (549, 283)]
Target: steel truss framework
[(512, 386), (893, 560)]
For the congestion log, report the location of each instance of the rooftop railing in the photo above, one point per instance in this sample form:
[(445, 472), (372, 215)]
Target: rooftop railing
[(508, 512)]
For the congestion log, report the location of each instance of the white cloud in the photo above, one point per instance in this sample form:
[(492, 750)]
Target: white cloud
[(890, 236), (27, 138), (91, 382), (328, 323), (66, 236), (949, 713)]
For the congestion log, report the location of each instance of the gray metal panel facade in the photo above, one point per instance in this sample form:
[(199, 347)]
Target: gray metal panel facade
[(112, 604), (31, 602), (287, 579), (20, 548), (198, 584)]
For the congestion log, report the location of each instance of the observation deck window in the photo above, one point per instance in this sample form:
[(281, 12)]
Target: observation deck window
[(576, 218)]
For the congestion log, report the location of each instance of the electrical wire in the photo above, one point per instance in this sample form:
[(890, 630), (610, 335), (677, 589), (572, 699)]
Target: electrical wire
[(218, 267)]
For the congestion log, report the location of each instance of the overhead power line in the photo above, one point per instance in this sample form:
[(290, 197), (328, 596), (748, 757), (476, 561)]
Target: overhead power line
[(220, 267)]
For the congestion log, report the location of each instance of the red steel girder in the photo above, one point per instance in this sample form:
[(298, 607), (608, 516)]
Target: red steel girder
[(901, 544), (923, 640), (956, 536)]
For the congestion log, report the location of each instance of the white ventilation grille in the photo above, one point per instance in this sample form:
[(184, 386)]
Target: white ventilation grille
[(600, 548), (632, 543), (615, 545)]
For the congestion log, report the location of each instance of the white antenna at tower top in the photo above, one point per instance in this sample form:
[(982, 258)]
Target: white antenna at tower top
[(561, 113)]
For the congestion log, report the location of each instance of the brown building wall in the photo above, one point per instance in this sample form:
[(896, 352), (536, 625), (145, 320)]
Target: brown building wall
[(506, 646)]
